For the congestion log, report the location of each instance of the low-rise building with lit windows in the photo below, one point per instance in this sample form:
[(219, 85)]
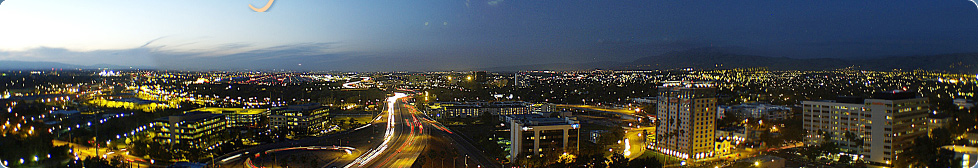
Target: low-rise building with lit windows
[(300, 120), (194, 129), (239, 117), (535, 135), (474, 109)]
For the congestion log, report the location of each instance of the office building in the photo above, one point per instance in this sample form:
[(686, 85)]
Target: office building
[(300, 120), (878, 129), (757, 111), (194, 129), (521, 80), (686, 113), (535, 135), (964, 103), (239, 117), (475, 109)]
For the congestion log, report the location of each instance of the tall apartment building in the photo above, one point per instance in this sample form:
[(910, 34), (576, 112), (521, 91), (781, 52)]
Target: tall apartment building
[(687, 112), (520, 80), (534, 134), (886, 124)]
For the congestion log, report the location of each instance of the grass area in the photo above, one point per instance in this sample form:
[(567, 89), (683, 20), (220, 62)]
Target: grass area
[(436, 154)]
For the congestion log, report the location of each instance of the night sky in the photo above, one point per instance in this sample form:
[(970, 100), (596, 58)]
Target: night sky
[(374, 35)]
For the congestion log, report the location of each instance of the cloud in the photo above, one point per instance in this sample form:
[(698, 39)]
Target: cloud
[(151, 42), (494, 2), (129, 57)]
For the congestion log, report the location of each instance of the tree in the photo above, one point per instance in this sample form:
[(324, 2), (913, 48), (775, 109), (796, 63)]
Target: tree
[(852, 137), (944, 158), (845, 159), (828, 148), (927, 152), (729, 119), (770, 140), (941, 136), (594, 160), (617, 160), (811, 152), (646, 162), (90, 162), (793, 130)]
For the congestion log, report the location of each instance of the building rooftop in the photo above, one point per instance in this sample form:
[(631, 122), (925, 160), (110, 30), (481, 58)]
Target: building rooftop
[(240, 111), (688, 84), (190, 117), (895, 95), (850, 99), (540, 120), (499, 104)]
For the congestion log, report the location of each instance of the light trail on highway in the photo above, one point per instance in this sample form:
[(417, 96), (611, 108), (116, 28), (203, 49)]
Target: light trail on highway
[(388, 134)]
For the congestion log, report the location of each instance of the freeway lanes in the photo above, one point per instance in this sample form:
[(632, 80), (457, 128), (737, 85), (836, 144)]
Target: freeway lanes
[(635, 143), (404, 140), (366, 137), (397, 137)]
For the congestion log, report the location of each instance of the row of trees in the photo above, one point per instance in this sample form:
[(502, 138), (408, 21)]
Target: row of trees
[(927, 151), (615, 160)]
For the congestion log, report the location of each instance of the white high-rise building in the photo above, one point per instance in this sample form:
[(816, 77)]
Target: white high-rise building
[(885, 124)]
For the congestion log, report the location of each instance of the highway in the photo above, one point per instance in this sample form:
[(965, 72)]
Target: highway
[(634, 141), (396, 138), (404, 138), (366, 140)]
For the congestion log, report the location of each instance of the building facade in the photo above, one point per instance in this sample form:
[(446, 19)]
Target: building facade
[(194, 129), (475, 109), (239, 117), (686, 114), (535, 135), (300, 120), (757, 110), (875, 130)]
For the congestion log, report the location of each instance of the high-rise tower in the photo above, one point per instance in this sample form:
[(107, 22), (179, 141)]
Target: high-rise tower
[(686, 114)]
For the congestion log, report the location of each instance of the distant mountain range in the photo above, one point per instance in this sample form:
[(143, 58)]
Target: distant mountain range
[(716, 59), (704, 58), (710, 58)]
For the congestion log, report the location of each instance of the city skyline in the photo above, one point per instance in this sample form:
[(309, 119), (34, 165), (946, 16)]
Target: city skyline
[(420, 36)]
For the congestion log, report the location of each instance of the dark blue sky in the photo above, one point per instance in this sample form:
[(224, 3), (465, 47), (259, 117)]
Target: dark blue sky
[(443, 35)]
